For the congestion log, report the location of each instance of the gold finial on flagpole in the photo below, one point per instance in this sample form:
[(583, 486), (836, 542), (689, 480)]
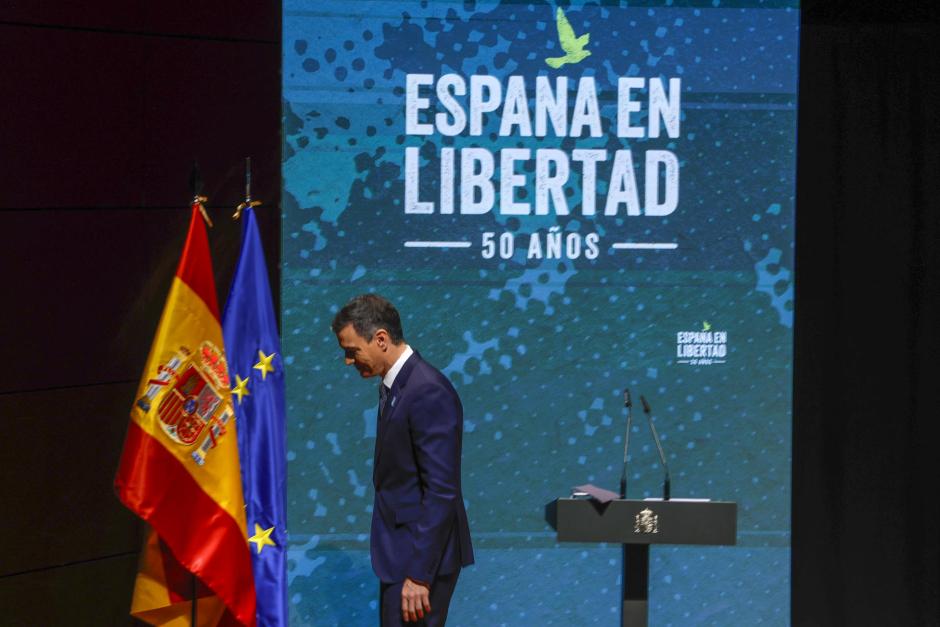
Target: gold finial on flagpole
[(248, 201), (198, 201), (244, 205), (195, 186)]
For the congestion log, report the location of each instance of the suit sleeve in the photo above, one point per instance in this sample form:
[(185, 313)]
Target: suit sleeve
[(435, 434)]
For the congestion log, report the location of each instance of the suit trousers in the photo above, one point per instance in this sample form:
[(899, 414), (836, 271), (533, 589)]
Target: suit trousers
[(441, 591)]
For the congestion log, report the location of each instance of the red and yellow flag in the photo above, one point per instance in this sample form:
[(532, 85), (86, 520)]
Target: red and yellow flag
[(179, 470)]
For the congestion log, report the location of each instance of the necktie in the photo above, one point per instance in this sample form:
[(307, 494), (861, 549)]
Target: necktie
[(383, 399)]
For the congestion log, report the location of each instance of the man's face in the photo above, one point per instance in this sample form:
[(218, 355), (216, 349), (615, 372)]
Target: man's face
[(367, 357)]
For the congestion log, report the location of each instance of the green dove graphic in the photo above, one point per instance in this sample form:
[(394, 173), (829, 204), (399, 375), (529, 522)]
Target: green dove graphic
[(572, 45)]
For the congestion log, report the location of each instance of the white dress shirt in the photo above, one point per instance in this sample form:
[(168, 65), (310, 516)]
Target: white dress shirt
[(389, 377)]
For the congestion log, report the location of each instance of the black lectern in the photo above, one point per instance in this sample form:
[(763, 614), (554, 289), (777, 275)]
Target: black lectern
[(637, 525)]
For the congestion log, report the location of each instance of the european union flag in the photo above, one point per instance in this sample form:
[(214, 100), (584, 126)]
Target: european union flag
[(257, 373)]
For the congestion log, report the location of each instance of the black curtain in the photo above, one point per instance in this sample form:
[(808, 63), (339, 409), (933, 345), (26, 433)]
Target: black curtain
[(866, 376)]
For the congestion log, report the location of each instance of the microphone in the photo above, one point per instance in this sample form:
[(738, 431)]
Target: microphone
[(628, 404), (659, 447)]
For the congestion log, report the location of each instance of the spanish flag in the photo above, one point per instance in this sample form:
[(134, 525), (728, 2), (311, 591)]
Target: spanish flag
[(179, 470)]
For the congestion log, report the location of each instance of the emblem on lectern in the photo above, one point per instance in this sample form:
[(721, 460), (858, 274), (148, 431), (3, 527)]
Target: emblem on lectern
[(646, 522)]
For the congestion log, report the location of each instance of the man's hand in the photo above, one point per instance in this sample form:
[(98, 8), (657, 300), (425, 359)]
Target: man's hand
[(415, 600)]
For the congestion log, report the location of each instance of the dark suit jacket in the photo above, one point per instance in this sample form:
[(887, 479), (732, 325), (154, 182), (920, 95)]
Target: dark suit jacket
[(419, 524)]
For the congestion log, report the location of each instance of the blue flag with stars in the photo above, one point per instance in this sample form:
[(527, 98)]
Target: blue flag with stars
[(257, 373)]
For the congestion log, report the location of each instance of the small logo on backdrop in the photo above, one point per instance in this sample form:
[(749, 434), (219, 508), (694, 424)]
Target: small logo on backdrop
[(702, 347), (646, 522), (571, 44), (190, 405)]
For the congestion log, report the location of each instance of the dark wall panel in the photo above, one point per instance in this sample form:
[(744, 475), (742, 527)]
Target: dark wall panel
[(96, 593), (73, 104), (84, 304), (89, 293), (75, 15), (865, 541), (113, 120), (238, 19), (106, 106), (210, 101), (215, 102), (65, 449)]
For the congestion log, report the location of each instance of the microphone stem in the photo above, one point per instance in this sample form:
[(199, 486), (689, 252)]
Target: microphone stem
[(626, 443), (662, 458)]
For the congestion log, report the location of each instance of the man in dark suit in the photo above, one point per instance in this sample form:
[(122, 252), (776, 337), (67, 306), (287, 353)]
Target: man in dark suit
[(420, 536)]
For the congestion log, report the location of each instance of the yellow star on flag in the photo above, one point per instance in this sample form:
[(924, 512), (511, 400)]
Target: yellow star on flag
[(265, 364), (262, 537), (241, 388)]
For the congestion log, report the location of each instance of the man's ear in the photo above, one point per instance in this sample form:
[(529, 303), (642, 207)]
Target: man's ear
[(382, 339)]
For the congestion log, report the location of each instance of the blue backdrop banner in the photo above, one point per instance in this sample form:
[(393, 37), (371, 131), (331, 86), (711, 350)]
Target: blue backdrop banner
[(563, 201)]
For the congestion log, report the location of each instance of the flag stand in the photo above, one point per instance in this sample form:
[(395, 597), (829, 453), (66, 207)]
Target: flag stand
[(193, 602)]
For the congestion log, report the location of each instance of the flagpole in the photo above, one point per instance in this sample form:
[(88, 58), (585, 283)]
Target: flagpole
[(247, 179), (248, 201), (195, 187)]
